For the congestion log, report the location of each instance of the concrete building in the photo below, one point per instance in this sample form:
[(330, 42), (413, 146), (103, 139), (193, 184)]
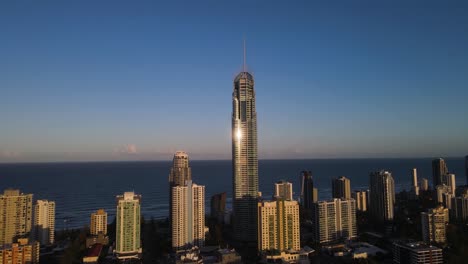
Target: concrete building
[(459, 208), (15, 215), (44, 222), (334, 220), (442, 192), (278, 225), (449, 180), (98, 222), (416, 253), (128, 228), (244, 157), (21, 252), (361, 200), (433, 225), (188, 211), (382, 196), (341, 188), (309, 194), (218, 206), (283, 190), (424, 184), (414, 181), (439, 168)]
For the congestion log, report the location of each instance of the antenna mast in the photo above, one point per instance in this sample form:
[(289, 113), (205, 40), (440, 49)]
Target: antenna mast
[(244, 65)]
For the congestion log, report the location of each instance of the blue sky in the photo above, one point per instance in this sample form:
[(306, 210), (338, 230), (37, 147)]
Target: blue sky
[(138, 80)]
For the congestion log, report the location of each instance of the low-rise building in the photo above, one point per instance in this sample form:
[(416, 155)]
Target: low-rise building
[(416, 253)]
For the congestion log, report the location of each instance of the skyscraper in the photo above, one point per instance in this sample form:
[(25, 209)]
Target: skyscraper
[(44, 222), (439, 168), (98, 222), (341, 188), (180, 171), (188, 212), (308, 192), (244, 157), (218, 206), (278, 226), (382, 195), (128, 228), (424, 186), (15, 215), (284, 190), (433, 224), (414, 181), (334, 220), (449, 180), (361, 200)]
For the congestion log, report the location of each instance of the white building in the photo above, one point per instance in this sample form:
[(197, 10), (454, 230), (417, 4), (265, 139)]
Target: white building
[(44, 222), (449, 180), (414, 181), (188, 211), (361, 200), (334, 220)]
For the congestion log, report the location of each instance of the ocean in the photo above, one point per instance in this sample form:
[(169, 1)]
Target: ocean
[(83, 187)]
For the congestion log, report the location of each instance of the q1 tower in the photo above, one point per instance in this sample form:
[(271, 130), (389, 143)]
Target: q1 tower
[(244, 157)]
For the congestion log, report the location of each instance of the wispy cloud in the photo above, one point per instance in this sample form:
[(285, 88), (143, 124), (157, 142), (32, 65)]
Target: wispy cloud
[(7, 154), (127, 149)]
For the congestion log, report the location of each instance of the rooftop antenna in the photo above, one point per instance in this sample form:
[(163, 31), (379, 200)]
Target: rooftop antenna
[(244, 65)]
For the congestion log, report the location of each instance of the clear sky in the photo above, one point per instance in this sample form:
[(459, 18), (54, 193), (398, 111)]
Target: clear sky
[(138, 80)]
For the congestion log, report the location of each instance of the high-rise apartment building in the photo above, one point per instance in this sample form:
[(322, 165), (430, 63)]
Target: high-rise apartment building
[(98, 222), (180, 171), (449, 180), (459, 208), (284, 190), (361, 200), (334, 220), (21, 252), (433, 224), (188, 211), (15, 215), (414, 181), (128, 228), (244, 157), (218, 206), (341, 188), (44, 222), (443, 195), (424, 184), (439, 168), (382, 196), (278, 225), (416, 253), (309, 194)]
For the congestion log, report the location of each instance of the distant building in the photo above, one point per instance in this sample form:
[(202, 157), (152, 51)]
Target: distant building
[(466, 168), (334, 220), (443, 192), (97, 239), (449, 180), (22, 252), (416, 253), (188, 211), (460, 208), (98, 222), (341, 188), (128, 228), (92, 254), (433, 225), (414, 181), (439, 168), (309, 194), (424, 186), (218, 206), (278, 225), (361, 200), (44, 222), (382, 196), (284, 190), (15, 215)]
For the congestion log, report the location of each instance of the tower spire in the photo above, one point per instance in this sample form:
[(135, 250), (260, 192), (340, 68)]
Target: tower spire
[(245, 59)]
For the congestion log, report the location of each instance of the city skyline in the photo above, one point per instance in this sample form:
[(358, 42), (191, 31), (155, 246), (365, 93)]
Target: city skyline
[(111, 83)]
